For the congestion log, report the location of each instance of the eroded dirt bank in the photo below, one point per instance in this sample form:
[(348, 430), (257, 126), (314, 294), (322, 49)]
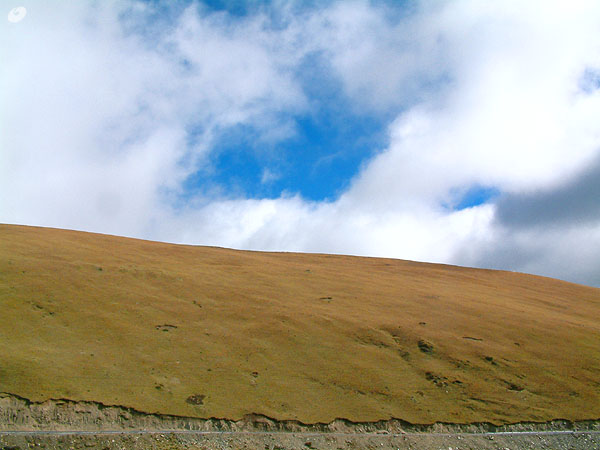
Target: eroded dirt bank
[(17, 413), (255, 431)]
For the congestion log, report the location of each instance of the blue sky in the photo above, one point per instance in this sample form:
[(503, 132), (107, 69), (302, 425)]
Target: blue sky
[(461, 132), (317, 162), (326, 148)]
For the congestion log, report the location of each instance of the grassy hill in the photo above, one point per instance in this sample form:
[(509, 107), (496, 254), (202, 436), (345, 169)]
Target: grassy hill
[(211, 332)]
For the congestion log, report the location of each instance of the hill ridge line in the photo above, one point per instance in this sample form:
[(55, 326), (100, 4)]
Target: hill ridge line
[(295, 253)]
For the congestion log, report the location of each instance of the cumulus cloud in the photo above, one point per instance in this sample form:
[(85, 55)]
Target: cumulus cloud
[(553, 231), (99, 122), (571, 204), (108, 108)]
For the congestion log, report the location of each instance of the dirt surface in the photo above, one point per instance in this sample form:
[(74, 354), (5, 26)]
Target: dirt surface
[(292, 441)]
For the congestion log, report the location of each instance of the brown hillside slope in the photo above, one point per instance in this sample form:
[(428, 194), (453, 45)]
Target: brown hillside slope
[(210, 332)]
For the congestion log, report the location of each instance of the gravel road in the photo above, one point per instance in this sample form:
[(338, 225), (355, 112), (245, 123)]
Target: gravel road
[(192, 440)]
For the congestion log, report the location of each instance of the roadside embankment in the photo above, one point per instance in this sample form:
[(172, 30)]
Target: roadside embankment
[(17, 413)]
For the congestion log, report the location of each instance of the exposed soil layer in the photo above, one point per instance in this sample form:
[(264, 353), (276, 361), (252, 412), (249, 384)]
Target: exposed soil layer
[(18, 413), (259, 432)]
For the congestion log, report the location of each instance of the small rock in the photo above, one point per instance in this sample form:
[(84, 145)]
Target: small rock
[(425, 347), (197, 399)]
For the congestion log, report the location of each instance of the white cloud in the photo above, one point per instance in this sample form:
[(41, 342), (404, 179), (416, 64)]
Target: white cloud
[(269, 176), (510, 116), (383, 61), (95, 115), (100, 124), (567, 253)]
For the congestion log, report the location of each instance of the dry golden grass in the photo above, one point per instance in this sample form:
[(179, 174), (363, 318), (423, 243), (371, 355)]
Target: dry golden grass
[(291, 336)]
